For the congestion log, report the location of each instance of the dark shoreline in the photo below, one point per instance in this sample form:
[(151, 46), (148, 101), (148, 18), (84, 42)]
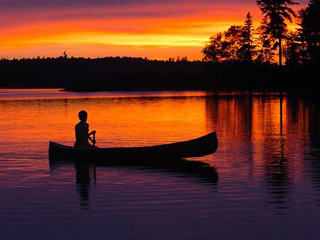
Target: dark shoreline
[(137, 74)]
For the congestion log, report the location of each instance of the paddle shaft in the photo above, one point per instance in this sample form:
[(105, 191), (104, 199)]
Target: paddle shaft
[(94, 139)]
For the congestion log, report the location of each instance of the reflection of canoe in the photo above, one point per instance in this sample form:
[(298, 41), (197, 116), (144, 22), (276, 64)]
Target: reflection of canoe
[(85, 172), (199, 147)]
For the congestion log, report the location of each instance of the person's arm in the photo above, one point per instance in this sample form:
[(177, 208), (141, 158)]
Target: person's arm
[(89, 136), (92, 133)]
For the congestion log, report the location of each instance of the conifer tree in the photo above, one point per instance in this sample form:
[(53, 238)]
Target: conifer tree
[(246, 51), (275, 13), (309, 32)]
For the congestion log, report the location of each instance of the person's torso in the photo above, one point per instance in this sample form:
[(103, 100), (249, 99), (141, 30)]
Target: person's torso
[(82, 130)]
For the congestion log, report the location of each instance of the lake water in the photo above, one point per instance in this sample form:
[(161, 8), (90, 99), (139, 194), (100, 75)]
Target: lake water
[(267, 163)]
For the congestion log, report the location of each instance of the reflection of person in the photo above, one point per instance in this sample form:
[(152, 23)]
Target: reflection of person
[(82, 132), (83, 178)]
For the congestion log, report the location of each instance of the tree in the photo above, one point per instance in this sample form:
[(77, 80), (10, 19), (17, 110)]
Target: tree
[(224, 46), (309, 32), (266, 43), (184, 59), (275, 13), (292, 49), (215, 50), (237, 44), (233, 38), (246, 51)]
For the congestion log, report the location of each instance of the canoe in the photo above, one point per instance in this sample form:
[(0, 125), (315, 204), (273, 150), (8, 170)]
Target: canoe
[(198, 147)]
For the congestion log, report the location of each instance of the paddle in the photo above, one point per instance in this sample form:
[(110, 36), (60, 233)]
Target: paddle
[(94, 138)]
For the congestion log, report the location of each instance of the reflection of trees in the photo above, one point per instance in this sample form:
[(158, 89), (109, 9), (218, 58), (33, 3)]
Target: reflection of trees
[(276, 153), (277, 174), (233, 114), (231, 117), (284, 140), (305, 113), (312, 156), (314, 121), (254, 129), (278, 181)]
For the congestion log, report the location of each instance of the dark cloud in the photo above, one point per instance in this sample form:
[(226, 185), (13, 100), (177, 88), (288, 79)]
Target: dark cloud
[(43, 4), (18, 5), (15, 11), (18, 15)]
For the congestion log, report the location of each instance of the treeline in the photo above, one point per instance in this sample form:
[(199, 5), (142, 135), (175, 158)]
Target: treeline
[(115, 73), (110, 73), (272, 41)]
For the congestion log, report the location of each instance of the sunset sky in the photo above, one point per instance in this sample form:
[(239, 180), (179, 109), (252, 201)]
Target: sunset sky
[(157, 29)]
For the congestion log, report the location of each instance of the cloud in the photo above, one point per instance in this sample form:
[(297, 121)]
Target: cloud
[(63, 9), (58, 4), (23, 4), (40, 10)]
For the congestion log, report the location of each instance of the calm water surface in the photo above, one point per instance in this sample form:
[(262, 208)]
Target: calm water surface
[(268, 167)]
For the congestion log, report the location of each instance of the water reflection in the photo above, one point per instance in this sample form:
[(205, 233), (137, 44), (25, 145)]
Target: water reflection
[(312, 160), (277, 174), (267, 162), (86, 173), (268, 132), (312, 156)]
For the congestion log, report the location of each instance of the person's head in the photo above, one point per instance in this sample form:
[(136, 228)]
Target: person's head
[(83, 115)]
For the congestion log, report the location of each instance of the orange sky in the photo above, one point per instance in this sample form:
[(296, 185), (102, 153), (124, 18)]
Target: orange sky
[(157, 31)]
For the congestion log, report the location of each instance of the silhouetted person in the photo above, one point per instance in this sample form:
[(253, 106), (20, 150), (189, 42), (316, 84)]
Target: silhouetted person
[(82, 132)]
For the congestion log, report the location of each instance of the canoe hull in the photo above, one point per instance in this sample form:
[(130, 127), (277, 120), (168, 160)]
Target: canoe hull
[(199, 147)]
